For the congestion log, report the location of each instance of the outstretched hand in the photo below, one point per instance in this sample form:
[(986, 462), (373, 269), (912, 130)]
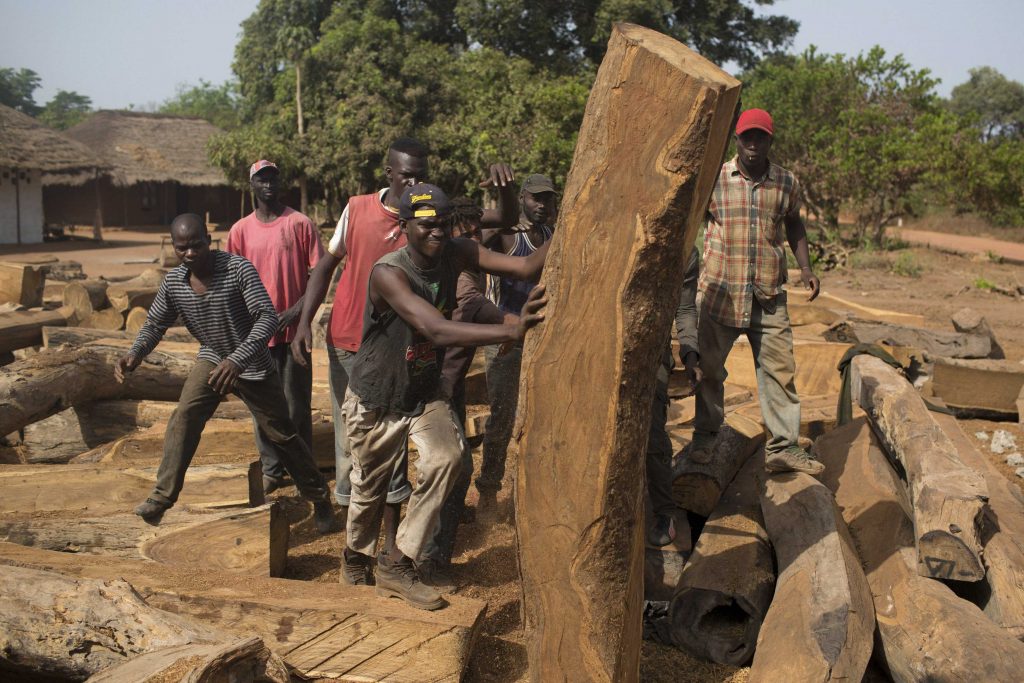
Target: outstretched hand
[(500, 176), (530, 316)]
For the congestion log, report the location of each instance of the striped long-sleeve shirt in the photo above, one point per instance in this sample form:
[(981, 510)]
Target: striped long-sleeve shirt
[(234, 319)]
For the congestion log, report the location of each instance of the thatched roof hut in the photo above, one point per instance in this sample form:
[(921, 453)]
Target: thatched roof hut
[(141, 147), (27, 144)]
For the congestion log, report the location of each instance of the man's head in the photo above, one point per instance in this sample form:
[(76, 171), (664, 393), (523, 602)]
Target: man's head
[(265, 181), (191, 241), (406, 165), (425, 215), (538, 199), (466, 218), (754, 135)]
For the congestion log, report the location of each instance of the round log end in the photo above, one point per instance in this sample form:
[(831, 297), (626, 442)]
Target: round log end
[(943, 555), (715, 626)]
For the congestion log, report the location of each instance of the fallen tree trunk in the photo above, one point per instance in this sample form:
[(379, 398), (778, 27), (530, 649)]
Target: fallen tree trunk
[(821, 620), (1001, 594), (135, 319), (106, 319), (139, 291), (925, 632), (948, 497), (933, 343), (21, 329), (22, 283), (655, 130), (698, 486), (79, 336), (245, 660), (85, 296), (727, 584), (49, 382), (984, 387)]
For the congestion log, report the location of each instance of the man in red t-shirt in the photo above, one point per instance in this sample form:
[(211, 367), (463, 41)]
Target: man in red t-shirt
[(368, 229), (283, 245)]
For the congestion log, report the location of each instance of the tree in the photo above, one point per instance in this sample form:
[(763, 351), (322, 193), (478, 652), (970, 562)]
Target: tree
[(218, 104), (17, 90), (994, 101), (66, 109)]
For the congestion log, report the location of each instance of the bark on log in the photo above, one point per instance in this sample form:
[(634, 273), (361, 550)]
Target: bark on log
[(139, 291), (729, 580), (135, 319), (925, 632), (21, 329), (969, 321), (931, 342), (697, 487), (1001, 594), (984, 387), (22, 283), (79, 336), (247, 660), (106, 319), (53, 380), (655, 131), (821, 621), (85, 296), (948, 497)]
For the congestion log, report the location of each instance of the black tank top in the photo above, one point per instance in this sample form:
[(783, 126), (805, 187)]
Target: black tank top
[(396, 368)]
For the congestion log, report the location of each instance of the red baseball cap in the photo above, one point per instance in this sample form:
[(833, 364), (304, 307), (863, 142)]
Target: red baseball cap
[(259, 166), (755, 118)]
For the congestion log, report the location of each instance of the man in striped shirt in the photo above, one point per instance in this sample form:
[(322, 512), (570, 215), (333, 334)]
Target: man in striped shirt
[(225, 306), (754, 210)]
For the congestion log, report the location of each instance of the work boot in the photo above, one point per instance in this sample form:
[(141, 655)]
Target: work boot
[(662, 532), (271, 484), (401, 580), (434, 573), (152, 511), (793, 459), (702, 448), (323, 515), (355, 568)]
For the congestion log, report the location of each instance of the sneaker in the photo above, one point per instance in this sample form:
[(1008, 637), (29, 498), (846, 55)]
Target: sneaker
[(152, 511), (702, 449), (793, 459), (662, 532), (401, 580), (271, 484), (434, 573), (323, 515), (355, 568)]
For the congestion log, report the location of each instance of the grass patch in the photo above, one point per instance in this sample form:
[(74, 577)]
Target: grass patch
[(906, 265), (982, 283), (869, 260)]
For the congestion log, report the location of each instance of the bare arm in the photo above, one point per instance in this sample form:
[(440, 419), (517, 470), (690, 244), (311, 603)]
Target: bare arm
[(507, 213), (474, 256), (316, 290)]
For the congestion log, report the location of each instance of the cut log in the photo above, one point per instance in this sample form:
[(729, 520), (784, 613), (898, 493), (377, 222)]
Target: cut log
[(246, 659), (22, 283), (932, 342), (54, 380), (664, 566), (655, 130), (816, 363), (969, 321), (106, 319), (948, 497), (683, 410), (800, 295), (697, 487), (139, 291), (85, 296), (324, 630), (978, 388), (727, 584), (21, 329), (810, 314), (1001, 594), (79, 336), (925, 632), (821, 622), (135, 319)]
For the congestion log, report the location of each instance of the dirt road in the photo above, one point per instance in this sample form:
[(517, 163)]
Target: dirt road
[(1009, 252)]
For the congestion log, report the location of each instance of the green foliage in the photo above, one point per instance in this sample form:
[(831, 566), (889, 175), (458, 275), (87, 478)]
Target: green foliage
[(17, 90), (992, 101), (982, 283), (906, 265), (218, 104), (66, 109)]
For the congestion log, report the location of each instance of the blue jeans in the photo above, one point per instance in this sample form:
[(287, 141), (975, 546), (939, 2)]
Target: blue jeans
[(399, 490)]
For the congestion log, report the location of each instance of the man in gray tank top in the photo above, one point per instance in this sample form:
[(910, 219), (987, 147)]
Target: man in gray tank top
[(395, 394)]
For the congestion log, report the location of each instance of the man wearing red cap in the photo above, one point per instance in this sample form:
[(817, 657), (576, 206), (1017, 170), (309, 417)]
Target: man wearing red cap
[(283, 245), (755, 204)]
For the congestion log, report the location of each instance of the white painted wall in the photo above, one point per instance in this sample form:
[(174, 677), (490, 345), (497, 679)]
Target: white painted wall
[(25, 200)]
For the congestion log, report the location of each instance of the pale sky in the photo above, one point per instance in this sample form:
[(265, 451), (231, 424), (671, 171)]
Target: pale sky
[(124, 52)]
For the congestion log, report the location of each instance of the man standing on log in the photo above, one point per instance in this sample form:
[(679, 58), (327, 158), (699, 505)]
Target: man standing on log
[(367, 230), (395, 390), (224, 305), (744, 271), (537, 200), (283, 245)]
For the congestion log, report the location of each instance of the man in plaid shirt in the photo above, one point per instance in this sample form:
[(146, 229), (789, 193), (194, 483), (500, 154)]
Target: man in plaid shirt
[(754, 206)]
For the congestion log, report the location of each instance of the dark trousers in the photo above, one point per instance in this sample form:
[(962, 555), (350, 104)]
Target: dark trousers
[(659, 447), (503, 395), (265, 399), (297, 382)]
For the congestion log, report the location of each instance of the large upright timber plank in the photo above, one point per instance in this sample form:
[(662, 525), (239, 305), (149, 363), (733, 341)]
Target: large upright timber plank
[(652, 141)]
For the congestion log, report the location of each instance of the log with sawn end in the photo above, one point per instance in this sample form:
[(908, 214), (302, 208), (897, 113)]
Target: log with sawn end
[(948, 497), (655, 131), (932, 342), (56, 379), (139, 291), (821, 622), (698, 486), (135, 319), (979, 387), (21, 329), (22, 283), (104, 319), (727, 584), (925, 632), (85, 296), (79, 336)]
